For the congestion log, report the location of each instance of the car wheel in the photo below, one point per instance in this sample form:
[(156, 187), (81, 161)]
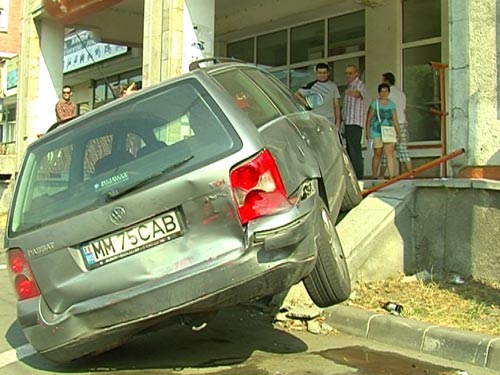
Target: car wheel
[(352, 196), (329, 282)]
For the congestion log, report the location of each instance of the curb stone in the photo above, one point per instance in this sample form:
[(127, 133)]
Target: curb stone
[(462, 346)]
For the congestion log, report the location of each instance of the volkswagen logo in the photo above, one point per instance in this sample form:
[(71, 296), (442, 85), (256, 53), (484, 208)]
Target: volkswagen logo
[(117, 215)]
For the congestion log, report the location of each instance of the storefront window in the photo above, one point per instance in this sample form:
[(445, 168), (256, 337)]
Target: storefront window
[(414, 11), (421, 85), (4, 15), (8, 129), (282, 75), (82, 108), (99, 94), (104, 91), (421, 44), (300, 77), (346, 33), (307, 42), (271, 48), (111, 93), (110, 89), (242, 50)]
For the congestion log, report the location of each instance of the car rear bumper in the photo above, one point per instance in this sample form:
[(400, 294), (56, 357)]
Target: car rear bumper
[(274, 260)]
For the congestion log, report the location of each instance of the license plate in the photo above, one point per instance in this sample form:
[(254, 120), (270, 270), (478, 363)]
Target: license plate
[(143, 236)]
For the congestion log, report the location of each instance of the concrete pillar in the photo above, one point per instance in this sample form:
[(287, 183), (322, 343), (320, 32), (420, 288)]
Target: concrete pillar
[(473, 108), (383, 54), (199, 25), (163, 38), (40, 78), (383, 45)]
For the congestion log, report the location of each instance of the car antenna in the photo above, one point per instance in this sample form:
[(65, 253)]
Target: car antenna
[(97, 66)]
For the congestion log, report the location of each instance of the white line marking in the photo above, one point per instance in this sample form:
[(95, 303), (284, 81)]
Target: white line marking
[(15, 355), (3, 267)]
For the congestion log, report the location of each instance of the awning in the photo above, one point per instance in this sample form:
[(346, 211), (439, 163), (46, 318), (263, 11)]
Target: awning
[(72, 11)]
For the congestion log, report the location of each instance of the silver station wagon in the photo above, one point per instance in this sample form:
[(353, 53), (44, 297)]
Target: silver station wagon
[(203, 192)]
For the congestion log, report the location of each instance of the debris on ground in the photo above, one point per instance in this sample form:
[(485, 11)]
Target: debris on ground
[(420, 276), (394, 308), (299, 313)]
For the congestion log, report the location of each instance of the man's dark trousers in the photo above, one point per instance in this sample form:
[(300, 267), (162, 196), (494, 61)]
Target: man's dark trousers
[(353, 139)]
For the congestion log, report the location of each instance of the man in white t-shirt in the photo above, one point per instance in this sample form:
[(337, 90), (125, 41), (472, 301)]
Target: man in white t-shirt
[(399, 98), (328, 90)]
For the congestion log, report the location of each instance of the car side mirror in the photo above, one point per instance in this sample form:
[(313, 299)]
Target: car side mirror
[(314, 100)]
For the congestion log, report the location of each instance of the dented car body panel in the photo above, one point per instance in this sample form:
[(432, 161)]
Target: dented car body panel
[(137, 211)]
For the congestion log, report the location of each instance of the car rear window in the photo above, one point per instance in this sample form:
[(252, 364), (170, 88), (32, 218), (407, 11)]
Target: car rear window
[(281, 96), (248, 96), (116, 147)]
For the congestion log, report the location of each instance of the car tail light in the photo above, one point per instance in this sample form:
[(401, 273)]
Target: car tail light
[(258, 188), (21, 275)]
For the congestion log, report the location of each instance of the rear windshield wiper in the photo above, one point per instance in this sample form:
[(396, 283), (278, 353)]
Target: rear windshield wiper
[(116, 193)]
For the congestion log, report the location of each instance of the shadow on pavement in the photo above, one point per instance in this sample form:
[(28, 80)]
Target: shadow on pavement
[(229, 338)]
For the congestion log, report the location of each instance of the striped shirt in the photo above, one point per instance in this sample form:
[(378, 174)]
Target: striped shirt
[(329, 91), (65, 110), (354, 107)]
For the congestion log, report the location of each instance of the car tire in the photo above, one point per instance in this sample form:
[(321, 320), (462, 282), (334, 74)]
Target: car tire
[(329, 282), (352, 196)]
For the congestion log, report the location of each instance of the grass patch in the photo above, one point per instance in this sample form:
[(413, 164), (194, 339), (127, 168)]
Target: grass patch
[(473, 305)]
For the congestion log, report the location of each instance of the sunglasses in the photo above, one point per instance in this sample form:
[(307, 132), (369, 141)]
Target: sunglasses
[(66, 92)]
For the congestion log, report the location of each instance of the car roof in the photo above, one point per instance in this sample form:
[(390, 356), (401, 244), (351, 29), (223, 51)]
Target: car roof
[(211, 63), (206, 66)]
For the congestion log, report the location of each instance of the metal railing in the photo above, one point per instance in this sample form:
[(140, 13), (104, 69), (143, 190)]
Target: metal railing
[(413, 172)]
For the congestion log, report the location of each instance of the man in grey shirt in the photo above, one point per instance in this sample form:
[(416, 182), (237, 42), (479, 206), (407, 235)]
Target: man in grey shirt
[(328, 90)]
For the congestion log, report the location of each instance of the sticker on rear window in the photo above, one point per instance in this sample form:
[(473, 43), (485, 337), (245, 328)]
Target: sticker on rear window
[(111, 181)]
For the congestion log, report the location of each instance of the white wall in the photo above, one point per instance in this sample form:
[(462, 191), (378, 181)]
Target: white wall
[(474, 112), (199, 24)]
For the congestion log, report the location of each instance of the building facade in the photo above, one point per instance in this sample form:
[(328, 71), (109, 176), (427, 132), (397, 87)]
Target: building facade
[(447, 65), (10, 45)]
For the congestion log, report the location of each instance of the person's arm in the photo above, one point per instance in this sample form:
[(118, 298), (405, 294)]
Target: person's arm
[(353, 92), (130, 89), (361, 90), (300, 98), (58, 112), (369, 116), (357, 91), (336, 107), (396, 123)]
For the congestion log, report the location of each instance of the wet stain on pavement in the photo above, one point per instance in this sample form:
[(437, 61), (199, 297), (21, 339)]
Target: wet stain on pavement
[(370, 362)]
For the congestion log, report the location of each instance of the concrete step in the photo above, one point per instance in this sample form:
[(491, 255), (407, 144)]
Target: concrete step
[(377, 235)]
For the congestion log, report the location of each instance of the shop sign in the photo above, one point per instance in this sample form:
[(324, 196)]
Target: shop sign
[(12, 72), (81, 50)]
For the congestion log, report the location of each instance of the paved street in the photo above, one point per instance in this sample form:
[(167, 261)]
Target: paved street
[(240, 341)]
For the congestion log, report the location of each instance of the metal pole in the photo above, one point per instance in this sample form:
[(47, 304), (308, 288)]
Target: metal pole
[(415, 171)]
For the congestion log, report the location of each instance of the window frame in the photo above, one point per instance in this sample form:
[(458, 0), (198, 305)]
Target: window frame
[(290, 66), (4, 17), (416, 44)]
